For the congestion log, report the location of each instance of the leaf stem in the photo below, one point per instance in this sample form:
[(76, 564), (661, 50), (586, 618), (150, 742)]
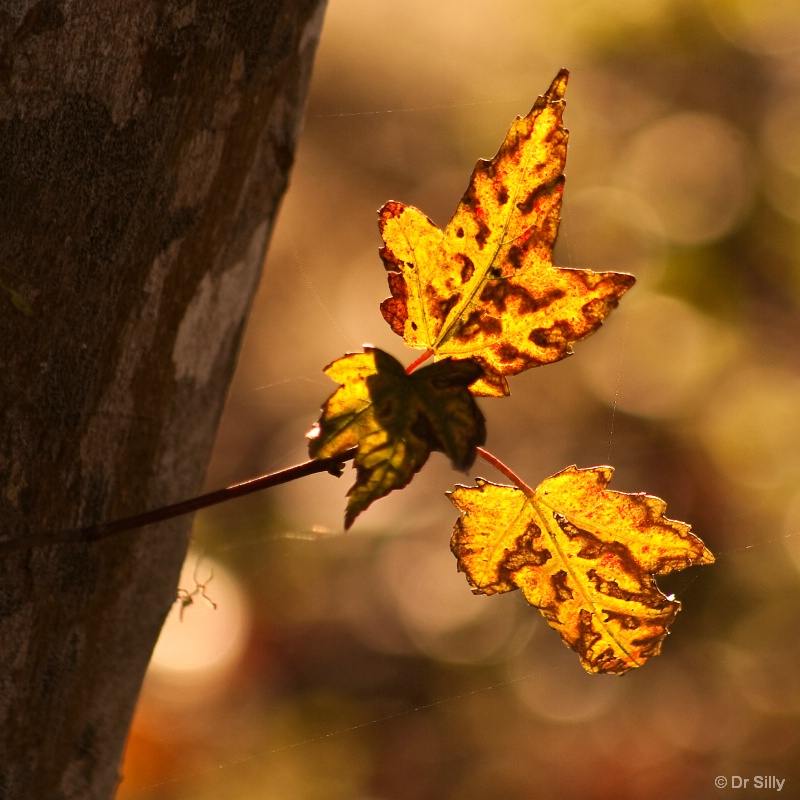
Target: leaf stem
[(93, 533), (421, 360), (489, 458)]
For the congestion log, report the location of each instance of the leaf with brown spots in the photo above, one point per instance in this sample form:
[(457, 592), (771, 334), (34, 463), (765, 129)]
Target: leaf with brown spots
[(585, 556), (395, 420), (485, 287)]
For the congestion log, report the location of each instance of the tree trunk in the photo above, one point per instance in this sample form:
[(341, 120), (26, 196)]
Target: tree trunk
[(144, 148)]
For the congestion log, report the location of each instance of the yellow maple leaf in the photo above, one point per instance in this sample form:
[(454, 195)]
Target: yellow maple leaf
[(395, 420), (585, 556), (485, 287)]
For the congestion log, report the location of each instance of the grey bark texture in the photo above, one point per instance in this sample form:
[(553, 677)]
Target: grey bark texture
[(144, 149)]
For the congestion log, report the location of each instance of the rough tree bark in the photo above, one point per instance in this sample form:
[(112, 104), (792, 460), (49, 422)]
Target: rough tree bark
[(144, 148)]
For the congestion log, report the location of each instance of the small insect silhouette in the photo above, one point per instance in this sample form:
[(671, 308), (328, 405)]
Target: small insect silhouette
[(187, 598)]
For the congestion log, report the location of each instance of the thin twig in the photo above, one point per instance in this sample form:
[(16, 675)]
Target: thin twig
[(93, 533)]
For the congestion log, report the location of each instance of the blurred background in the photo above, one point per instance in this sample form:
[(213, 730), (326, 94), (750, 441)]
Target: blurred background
[(359, 666)]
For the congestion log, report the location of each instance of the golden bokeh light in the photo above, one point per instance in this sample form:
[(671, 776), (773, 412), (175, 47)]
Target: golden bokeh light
[(769, 27), (694, 171), (666, 353), (751, 427)]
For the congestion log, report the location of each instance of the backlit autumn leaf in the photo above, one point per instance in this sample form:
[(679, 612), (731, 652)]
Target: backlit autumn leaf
[(585, 556), (396, 420), (485, 287)]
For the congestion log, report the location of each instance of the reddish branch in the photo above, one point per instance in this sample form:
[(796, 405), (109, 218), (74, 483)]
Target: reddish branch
[(93, 533), (335, 466)]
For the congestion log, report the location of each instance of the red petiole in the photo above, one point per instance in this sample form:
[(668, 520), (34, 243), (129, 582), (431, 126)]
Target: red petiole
[(506, 470), (421, 360)]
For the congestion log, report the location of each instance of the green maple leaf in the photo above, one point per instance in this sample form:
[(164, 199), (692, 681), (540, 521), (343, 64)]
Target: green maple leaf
[(396, 420)]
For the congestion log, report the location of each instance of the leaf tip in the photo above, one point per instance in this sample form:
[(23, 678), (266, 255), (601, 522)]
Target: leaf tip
[(706, 557), (559, 86)]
